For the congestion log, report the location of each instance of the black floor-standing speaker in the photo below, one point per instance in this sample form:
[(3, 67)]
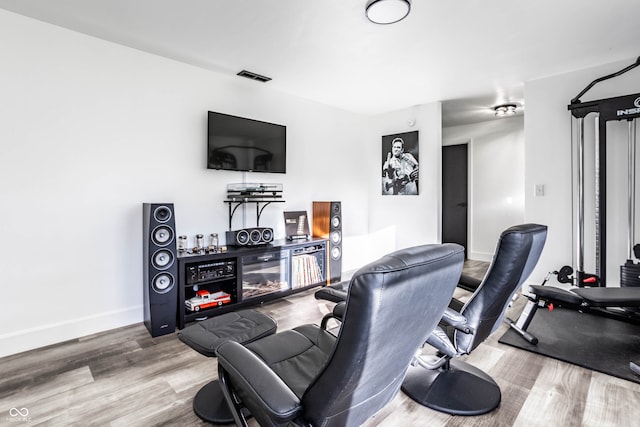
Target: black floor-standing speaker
[(160, 268), (327, 223)]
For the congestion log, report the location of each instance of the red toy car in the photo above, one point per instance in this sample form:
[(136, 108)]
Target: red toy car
[(205, 299)]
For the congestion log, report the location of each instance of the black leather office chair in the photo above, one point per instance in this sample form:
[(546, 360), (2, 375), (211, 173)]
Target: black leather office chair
[(448, 384), (308, 377)]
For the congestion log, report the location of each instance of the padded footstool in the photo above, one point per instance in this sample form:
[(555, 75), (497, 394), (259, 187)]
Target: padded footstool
[(205, 337)]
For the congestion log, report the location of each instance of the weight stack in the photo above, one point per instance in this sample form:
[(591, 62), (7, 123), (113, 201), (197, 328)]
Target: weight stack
[(630, 276)]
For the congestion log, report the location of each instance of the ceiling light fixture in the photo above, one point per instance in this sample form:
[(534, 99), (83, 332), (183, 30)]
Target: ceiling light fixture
[(387, 11), (505, 110)]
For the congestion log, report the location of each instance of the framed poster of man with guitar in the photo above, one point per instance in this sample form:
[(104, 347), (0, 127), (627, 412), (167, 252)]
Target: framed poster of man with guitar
[(400, 164)]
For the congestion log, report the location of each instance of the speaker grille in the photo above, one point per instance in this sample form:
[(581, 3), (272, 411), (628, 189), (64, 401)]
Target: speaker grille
[(162, 235), (336, 237), (336, 253), (242, 237), (255, 236), (163, 283), (162, 213), (162, 259)]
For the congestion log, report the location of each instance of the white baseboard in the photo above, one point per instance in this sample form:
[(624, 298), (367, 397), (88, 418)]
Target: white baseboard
[(40, 336)]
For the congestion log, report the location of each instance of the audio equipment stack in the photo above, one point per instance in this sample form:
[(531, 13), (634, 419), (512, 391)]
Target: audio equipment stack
[(160, 268), (327, 223), (260, 194)]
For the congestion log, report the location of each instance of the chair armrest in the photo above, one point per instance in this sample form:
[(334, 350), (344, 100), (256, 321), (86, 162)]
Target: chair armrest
[(441, 342), (251, 375), (453, 318), (334, 293), (337, 313), (339, 309), (468, 283)]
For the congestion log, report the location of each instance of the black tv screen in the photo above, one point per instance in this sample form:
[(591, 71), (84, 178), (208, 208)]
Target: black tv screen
[(241, 144)]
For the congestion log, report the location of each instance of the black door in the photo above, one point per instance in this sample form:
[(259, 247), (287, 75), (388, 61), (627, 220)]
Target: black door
[(454, 194)]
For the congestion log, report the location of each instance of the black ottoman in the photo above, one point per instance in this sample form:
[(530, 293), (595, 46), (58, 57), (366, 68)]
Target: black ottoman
[(205, 337)]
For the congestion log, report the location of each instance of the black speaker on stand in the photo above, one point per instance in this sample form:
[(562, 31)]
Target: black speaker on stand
[(160, 268), (327, 223)]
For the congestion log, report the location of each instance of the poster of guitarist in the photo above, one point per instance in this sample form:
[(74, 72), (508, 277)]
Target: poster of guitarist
[(400, 166)]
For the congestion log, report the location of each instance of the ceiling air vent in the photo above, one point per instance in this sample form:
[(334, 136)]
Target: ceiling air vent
[(254, 76)]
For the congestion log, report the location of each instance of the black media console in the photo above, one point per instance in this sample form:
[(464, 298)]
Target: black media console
[(247, 276)]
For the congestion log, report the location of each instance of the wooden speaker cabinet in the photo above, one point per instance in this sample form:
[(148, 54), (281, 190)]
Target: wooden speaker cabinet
[(327, 223)]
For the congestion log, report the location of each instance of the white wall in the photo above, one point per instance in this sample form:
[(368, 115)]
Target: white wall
[(90, 130), (414, 220), (548, 161), (496, 179)]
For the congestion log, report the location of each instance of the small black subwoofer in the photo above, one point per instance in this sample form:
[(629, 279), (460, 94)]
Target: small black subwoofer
[(327, 223), (160, 265), (250, 236)]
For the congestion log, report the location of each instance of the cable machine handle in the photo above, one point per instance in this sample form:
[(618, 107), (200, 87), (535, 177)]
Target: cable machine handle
[(576, 100)]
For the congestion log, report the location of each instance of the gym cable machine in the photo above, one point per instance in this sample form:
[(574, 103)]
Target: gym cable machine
[(610, 109), (621, 303)]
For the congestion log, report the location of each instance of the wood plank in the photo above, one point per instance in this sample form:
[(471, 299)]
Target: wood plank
[(33, 396), (611, 402), (558, 396)]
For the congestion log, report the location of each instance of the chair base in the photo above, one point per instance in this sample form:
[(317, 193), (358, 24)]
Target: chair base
[(461, 390), (209, 405)]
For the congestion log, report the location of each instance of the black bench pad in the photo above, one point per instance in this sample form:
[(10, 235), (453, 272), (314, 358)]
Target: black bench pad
[(560, 295), (592, 297), (610, 297)]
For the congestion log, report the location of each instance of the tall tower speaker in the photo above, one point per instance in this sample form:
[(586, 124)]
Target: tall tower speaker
[(160, 268), (327, 223)]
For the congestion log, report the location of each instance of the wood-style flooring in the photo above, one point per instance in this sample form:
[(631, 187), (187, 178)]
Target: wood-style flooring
[(124, 377)]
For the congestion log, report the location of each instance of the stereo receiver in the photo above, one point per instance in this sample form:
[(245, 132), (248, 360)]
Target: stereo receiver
[(212, 271)]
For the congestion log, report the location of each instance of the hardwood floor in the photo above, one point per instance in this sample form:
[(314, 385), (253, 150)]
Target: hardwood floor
[(125, 377)]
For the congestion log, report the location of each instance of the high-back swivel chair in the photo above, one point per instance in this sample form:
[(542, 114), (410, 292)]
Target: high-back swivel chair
[(308, 376), (448, 384)]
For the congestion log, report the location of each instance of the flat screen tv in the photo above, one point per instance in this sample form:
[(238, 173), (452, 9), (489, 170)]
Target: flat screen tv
[(241, 144)]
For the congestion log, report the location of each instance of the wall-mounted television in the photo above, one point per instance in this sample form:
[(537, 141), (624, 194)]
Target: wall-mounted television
[(241, 144)]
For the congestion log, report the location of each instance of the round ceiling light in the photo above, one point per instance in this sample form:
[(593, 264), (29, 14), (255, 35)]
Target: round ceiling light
[(387, 11), (505, 110)]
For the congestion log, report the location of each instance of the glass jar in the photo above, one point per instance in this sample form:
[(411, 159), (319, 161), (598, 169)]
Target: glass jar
[(213, 245), (200, 242), (182, 243)]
